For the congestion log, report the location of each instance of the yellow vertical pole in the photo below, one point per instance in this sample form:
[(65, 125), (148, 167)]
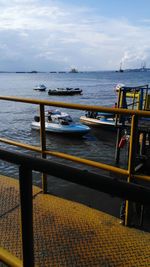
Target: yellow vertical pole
[(43, 144), (120, 100), (131, 163)]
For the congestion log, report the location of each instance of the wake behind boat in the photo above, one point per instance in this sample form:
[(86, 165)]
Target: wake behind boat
[(60, 123), (65, 91)]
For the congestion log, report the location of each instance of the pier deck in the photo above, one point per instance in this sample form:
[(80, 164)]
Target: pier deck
[(68, 234)]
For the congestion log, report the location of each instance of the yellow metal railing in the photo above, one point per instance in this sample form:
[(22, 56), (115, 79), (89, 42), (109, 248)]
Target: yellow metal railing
[(27, 164), (42, 149), (129, 172), (9, 259), (88, 162), (76, 106)]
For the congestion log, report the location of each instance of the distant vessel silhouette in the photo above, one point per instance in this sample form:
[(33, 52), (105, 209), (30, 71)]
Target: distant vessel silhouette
[(74, 70), (120, 70), (143, 67)]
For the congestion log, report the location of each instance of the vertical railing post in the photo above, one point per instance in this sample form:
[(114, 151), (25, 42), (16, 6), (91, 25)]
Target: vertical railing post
[(43, 144), (131, 163), (117, 151), (143, 144), (121, 119), (25, 183)]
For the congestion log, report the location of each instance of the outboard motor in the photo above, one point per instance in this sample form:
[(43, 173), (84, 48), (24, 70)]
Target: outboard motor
[(37, 118)]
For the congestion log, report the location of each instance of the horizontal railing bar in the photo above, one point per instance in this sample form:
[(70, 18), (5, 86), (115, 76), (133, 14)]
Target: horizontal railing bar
[(76, 106), (144, 87), (91, 180), (88, 162), (22, 145), (9, 259), (76, 159), (142, 177)]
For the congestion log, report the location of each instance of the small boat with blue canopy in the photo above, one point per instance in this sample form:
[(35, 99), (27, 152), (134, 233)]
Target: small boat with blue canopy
[(60, 123), (100, 119), (133, 97)]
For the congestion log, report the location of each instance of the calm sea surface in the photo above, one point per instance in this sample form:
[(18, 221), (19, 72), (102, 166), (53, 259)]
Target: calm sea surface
[(98, 89)]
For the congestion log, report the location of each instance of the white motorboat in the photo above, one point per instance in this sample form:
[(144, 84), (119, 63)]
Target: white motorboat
[(99, 119), (65, 91), (40, 87), (60, 122)]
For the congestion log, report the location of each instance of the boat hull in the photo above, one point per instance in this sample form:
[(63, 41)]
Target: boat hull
[(64, 92), (101, 123), (39, 89), (75, 129)]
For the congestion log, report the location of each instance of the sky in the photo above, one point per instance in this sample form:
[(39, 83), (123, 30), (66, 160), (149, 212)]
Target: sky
[(90, 35)]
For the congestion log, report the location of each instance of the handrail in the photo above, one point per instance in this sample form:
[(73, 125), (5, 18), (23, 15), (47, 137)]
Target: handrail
[(109, 185), (69, 157), (7, 258), (28, 163), (72, 106), (86, 178), (76, 106)]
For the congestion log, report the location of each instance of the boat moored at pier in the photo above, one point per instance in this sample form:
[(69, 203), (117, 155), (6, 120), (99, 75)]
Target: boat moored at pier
[(63, 169), (132, 98), (99, 119), (60, 123)]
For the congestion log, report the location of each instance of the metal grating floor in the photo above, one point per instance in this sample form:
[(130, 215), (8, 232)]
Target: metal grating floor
[(67, 234)]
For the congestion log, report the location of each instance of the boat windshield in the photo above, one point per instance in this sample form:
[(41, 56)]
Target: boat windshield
[(68, 118), (65, 120), (91, 114), (53, 112)]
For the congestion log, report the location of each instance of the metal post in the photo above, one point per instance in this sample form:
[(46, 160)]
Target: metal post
[(25, 183), (141, 99), (143, 144), (131, 163), (141, 216), (43, 145), (121, 104), (117, 152)]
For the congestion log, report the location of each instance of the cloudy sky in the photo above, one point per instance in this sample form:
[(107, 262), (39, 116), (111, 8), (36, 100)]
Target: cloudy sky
[(49, 35)]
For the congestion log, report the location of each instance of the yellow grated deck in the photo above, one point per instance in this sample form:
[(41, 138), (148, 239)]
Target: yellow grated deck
[(67, 234)]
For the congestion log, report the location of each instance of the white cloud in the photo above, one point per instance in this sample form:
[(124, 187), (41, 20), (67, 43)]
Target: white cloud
[(30, 30)]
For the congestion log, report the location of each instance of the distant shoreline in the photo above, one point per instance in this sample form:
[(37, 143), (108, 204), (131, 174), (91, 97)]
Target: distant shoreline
[(61, 72)]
